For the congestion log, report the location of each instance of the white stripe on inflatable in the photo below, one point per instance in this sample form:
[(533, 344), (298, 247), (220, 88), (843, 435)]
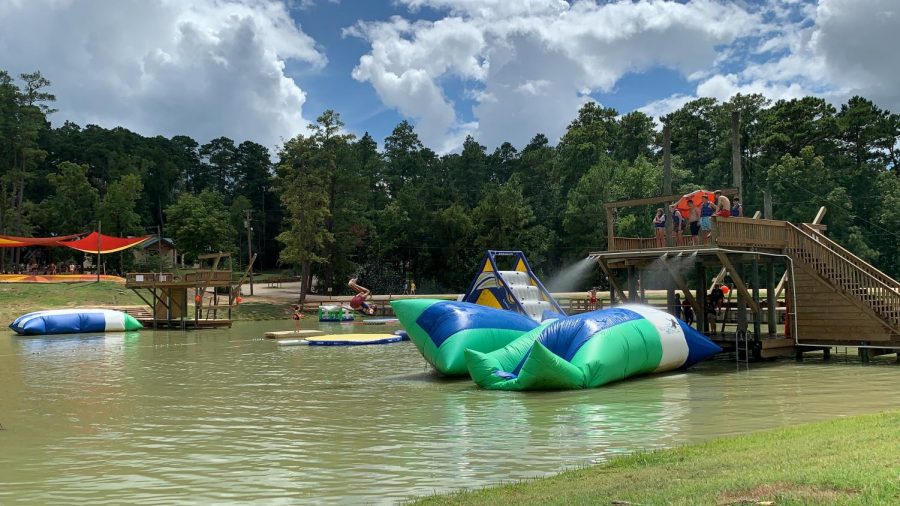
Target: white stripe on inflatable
[(22, 320), (674, 345), (115, 320)]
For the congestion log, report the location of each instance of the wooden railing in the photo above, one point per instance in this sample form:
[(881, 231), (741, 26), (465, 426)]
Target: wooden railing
[(749, 233), (137, 278), (633, 243), (855, 260), (845, 274)]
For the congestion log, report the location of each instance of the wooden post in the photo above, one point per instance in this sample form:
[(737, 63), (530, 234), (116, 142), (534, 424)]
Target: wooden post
[(632, 284), (613, 285), (736, 153), (767, 204), (667, 184), (701, 296), (742, 299), (771, 300), (757, 316), (610, 229)]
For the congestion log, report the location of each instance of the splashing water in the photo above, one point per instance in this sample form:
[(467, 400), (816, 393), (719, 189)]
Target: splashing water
[(568, 279)]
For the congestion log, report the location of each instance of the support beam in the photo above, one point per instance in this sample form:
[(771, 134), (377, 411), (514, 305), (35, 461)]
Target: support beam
[(720, 277), (738, 282), (683, 286), (613, 286)]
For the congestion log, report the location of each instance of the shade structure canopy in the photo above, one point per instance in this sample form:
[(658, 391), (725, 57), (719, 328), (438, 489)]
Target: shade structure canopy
[(696, 197), (103, 244), (91, 243), (11, 241)]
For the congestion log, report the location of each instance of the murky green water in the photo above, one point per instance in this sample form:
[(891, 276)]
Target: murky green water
[(225, 416)]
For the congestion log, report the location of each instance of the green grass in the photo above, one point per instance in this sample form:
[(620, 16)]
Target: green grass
[(845, 461), (17, 299)]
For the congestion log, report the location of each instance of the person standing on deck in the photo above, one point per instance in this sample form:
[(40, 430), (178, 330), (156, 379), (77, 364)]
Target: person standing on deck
[(723, 205), (592, 299), (659, 223), (707, 210), (737, 209), (693, 221)]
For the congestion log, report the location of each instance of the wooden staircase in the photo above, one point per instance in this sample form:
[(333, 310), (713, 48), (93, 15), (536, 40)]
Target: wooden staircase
[(874, 293)]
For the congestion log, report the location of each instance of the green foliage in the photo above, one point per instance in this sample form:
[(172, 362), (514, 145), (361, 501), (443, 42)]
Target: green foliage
[(339, 207), (201, 224), (118, 208), (72, 207)]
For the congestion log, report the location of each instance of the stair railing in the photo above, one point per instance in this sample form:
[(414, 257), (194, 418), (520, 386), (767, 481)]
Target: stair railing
[(857, 282)]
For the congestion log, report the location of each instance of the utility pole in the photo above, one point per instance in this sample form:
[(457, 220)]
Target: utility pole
[(99, 236), (159, 248), (249, 247)]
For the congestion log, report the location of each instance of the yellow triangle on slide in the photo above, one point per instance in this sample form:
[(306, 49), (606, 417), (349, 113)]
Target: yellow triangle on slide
[(521, 266), (487, 267), (486, 298)]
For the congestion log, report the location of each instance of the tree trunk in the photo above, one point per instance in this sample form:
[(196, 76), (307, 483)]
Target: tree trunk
[(304, 281)]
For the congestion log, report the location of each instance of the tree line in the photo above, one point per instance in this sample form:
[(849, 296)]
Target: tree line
[(331, 205)]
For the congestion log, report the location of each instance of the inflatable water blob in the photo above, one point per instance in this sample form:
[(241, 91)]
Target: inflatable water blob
[(442, 330), (335, 314), (590, 350), (71, 321)]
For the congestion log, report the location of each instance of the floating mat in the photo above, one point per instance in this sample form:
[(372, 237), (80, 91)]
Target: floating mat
[(291, 342), (380, 321), (353, 339), (293, 334)]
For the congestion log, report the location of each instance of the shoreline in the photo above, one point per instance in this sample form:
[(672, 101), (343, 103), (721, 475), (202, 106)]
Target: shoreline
[(850, 460)]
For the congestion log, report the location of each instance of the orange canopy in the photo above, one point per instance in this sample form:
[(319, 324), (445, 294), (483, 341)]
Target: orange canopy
[(11, 241), (695, 197), (104, 243)]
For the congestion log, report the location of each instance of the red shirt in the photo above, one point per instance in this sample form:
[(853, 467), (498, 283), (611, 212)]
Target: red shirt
[(357, 301)]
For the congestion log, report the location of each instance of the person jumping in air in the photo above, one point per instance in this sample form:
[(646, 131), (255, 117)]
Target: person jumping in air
[(358, 302)]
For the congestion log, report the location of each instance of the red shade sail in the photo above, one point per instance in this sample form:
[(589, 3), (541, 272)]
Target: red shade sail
[(105, 244), (11, 241), (695, 197)]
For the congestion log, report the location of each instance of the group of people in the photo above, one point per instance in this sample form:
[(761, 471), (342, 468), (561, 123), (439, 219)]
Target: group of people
[(34, 268), (698, 222), (715, 300)]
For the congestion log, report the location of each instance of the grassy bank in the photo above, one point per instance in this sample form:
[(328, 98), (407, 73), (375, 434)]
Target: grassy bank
[(20, 298), (846, 461)]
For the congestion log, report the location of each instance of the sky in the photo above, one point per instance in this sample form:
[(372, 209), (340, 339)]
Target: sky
[(499, 70)]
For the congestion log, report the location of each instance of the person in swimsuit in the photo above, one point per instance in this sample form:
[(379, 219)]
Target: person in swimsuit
[(737, 209), (707, 210), (723, 205), (296, 315), (693, 221), (659, 223), (358, 302)]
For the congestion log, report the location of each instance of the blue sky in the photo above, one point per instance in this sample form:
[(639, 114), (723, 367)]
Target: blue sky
[(500, 70)]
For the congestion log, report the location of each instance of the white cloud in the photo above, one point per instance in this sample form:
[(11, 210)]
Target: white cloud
[(833, 49), (534, 60), (205, 68)]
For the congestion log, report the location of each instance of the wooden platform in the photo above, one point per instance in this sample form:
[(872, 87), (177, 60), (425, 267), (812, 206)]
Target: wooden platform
[(187, 323)]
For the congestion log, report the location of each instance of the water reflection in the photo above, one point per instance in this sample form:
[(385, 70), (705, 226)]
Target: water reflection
[(226, 416)]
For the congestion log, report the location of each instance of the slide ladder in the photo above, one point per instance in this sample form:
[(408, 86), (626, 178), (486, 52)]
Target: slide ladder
[(515, 290)]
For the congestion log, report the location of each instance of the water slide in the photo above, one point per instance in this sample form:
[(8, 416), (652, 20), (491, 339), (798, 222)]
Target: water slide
[(516, 290)]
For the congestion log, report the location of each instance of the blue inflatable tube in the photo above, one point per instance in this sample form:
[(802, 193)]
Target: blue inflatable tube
[(72, 321)]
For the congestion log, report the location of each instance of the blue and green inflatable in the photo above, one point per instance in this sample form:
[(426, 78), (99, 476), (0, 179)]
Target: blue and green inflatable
[(503, 352)]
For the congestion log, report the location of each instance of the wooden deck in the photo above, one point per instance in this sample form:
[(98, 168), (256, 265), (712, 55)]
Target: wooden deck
[(830, 296)]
